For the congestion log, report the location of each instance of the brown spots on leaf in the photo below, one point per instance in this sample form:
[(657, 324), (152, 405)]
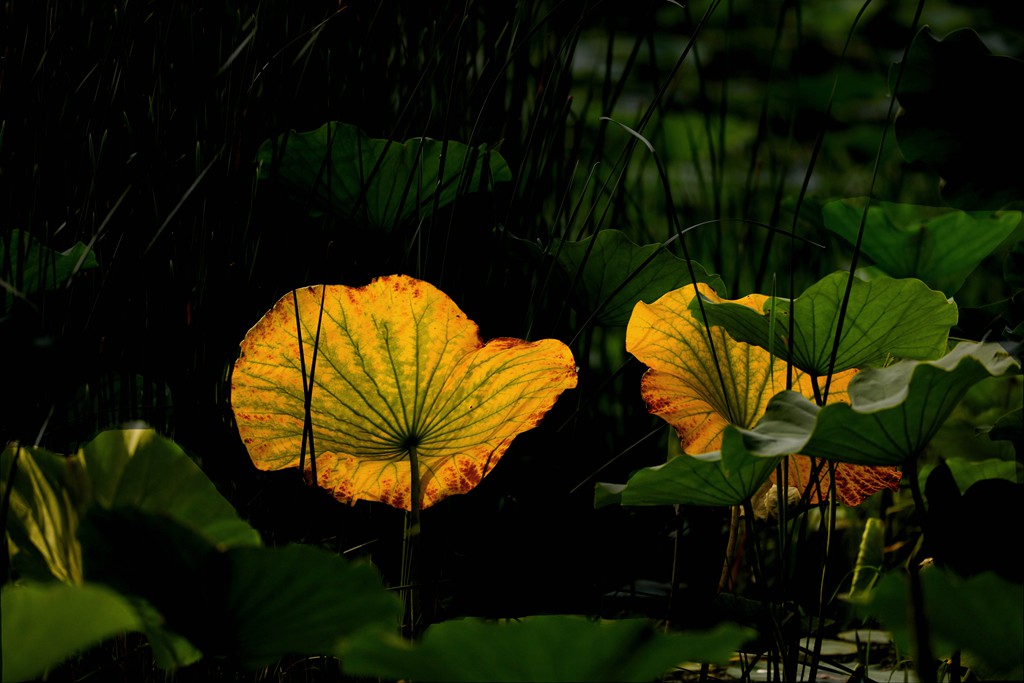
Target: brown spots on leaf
[(395, 497), (503, 343), (470, 471)]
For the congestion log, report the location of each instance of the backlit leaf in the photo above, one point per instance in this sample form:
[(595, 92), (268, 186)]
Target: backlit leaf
[(941, 247), (614, 274), (696, 383), (378, 183), (42, 519), (885, 317), (399, 369), (706, 390)]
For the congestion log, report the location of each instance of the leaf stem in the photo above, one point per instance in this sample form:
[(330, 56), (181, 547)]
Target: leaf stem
[(413, 617)]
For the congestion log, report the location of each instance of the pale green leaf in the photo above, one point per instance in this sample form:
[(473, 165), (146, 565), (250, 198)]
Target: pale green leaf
[(44, 624), (884, 318), (940, 246)]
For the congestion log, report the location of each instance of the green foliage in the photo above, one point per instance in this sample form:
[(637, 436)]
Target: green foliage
[(892, 415), (44, 623), (609, 274), (43, 494), (726, 477), (870, 559), (980, 615), (941, 247), (248, 604), (952, 120), (539, 648), (378, 183), (969, 472), (130, 513), (139, 469), (884, 318), (28, 267)]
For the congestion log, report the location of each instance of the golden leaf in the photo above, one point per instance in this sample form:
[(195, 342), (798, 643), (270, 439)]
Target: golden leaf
[(398, 371), (701, 384)]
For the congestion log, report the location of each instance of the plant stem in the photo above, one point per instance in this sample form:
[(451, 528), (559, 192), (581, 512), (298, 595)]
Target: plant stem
[(411, 596), (830, 529)]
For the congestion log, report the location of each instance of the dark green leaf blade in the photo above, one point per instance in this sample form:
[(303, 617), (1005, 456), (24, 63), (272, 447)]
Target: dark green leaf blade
[(539, 648), (953, 119), (139, 468), (721, 478), (252, 605), (299, 600), (981, 615), (378, 183), (615, 273), (41, 268), (45, 624), (941, 247)]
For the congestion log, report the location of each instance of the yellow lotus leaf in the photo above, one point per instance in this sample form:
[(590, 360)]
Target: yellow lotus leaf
[(699, 392), (398, 374)]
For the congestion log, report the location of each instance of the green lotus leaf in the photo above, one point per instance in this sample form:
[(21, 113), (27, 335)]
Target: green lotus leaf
[(614, 274), (954, 121), (941, 247), (702, 390), (251, 605), (55, 499), (720, 478), (44, 624), (538, 648), (892, 415), (980, 615), (1009, 427), (884, 318), (155, 562), (378, 183), (968, 472), (139, 468), (42, 520), (299, 599), (38, 267)]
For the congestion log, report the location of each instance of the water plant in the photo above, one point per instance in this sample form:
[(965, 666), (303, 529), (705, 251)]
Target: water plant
[(751, 274)]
